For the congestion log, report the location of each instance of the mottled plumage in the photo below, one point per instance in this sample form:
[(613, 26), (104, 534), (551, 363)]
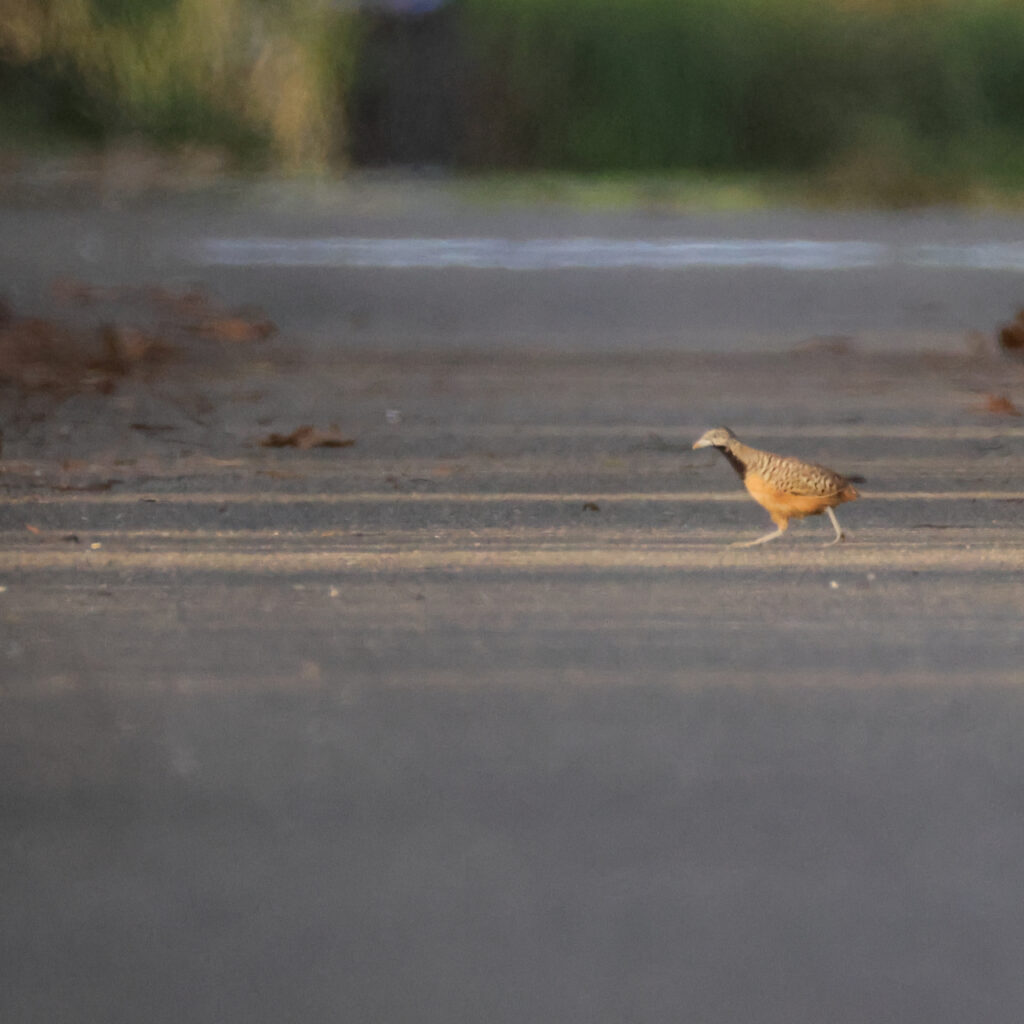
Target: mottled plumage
[(788, 488)]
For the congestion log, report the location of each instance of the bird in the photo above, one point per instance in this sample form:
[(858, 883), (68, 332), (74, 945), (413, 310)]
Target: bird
[(788, 488)]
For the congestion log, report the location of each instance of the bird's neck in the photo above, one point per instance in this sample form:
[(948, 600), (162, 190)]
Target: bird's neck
[(735, 455)]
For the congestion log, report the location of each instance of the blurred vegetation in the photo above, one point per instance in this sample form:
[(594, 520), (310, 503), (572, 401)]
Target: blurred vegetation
[(882, 100), (891, 100), (263, 78)]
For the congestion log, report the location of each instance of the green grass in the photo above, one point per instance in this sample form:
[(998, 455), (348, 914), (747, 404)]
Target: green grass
[(727, 192), (900, 101), (680, 191)]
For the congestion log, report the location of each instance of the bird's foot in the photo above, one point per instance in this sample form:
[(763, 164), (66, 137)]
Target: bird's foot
[(759, 540)]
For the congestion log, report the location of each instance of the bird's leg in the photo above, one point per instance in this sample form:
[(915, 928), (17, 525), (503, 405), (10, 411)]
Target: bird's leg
[(760, 540), (835, 524)]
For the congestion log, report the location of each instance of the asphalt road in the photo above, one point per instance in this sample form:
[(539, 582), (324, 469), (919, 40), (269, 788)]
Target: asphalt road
[(480, 718), (910, 281)]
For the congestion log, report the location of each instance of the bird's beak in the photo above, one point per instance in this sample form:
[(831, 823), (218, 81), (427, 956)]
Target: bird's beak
[(701, 443)]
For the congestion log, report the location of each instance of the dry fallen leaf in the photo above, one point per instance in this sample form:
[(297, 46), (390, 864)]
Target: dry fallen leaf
[(1000, 405), (88, 485), (1011, 335), (152, 428), (236, 328), (307, 437)]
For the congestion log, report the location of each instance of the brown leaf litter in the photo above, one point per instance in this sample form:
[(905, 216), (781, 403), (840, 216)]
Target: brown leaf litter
[(1011, 335), (306, 437), (41, 355), (132, 330), (998, 404)]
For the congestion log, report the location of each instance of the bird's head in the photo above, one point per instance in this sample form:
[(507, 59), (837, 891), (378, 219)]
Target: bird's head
[(716, 437)]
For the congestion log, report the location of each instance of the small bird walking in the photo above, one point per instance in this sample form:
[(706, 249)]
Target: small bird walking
[(786, 487)]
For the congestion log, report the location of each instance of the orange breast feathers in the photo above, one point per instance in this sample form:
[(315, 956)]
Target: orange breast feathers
[(785, 504)]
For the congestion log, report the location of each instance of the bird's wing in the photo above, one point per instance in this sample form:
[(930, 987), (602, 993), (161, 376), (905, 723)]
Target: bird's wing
[(808, 479)]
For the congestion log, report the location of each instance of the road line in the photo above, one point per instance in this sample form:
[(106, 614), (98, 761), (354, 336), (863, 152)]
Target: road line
[(490, 253), (260, 542), (458, 498), (676, 557), (590, 253), (687, 433)]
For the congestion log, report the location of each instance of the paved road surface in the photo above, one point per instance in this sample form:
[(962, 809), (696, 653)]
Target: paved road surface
[(480, 719), (587, 279)]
